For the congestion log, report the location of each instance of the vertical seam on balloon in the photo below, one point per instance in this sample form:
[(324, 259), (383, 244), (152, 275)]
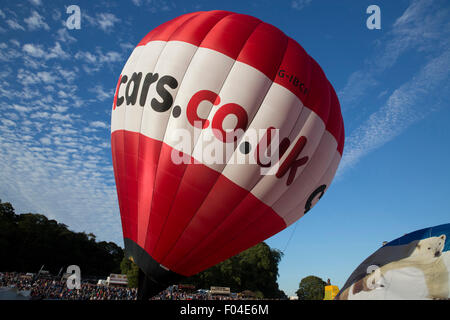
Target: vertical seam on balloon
[(312, 112), (140, 133), (156, 169), (170, 210), (341, 127), (318, 144), (162, 142), (249, 191), (209, 193), (137, 156), (123, 157), (288, 215)]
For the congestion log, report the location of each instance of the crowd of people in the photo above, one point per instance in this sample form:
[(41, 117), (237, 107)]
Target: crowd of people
[(53, 288), (57, 289), (173, 293)]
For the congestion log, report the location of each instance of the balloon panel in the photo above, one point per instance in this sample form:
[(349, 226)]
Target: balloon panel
[(226, 79), (415, 266)]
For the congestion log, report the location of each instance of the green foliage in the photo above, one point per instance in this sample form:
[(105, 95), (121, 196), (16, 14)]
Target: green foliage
[(129, 268), (28, 241), (255, 269), (311, 288)]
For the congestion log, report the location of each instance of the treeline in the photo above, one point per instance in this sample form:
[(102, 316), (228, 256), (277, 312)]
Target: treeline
[(28, 241)]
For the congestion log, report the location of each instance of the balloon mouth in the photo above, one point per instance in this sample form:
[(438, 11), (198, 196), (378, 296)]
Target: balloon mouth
[(153, 277)]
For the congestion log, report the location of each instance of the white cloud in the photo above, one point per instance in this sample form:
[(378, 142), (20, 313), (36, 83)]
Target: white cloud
[(57, 52), (300, 4), (37, 51), (99, 124), (110, 57), (36, 21), (13, 24), (33, 50), (104, 21), (15, 42), (45, 141), (36, 2), (19, 108), (95, 61), (101, 94), (64, 36), (47, 77), (8, 122)]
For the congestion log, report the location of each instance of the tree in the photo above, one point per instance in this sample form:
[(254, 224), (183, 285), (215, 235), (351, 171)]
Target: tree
[(129, 268), (311, 288), (255, 269), (30, 240)]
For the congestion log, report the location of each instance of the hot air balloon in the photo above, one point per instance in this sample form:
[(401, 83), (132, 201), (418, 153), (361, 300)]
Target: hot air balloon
[(414, 266), (250, 92)]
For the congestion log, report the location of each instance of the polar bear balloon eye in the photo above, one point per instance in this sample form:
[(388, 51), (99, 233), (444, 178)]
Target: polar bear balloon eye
[(429, 248)]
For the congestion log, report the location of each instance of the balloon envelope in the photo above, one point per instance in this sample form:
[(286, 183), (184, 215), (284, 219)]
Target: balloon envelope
[(224, 131), (415, 266)]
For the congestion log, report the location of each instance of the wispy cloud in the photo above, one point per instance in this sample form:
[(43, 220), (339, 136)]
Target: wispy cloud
[(38, 51), (102, 94), (155, 6), (13, 24), (424, 26), (94, 61), (300, 4), (36, 21), (63, 35), (35, 2), (104, 21), (404, 107)]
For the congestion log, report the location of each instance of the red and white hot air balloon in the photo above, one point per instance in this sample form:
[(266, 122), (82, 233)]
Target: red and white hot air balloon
[(218, 77)]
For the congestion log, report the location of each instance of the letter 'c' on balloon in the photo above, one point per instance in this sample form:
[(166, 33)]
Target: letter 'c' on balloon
[(205, 73)]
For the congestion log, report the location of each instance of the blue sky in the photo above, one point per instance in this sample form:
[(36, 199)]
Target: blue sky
[(57, 86)]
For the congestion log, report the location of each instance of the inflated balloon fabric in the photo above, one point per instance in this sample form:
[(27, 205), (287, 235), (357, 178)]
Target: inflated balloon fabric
[(210, 75)]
